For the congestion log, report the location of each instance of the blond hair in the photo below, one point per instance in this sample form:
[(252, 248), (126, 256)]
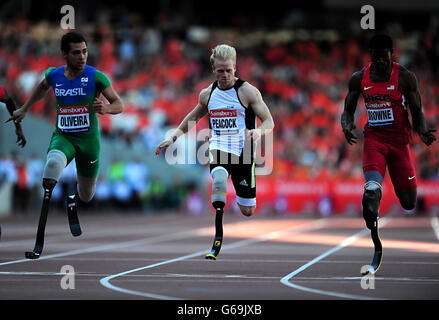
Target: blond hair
[(223, 52)]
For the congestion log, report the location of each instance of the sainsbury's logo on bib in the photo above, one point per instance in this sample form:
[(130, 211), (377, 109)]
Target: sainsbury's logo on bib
[(73, 110), (223, 113)]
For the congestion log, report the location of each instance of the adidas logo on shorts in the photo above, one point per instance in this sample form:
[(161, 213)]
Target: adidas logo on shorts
[(243, 183)]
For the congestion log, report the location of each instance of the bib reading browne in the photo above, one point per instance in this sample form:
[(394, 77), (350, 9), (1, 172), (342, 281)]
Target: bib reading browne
[(77, 129)]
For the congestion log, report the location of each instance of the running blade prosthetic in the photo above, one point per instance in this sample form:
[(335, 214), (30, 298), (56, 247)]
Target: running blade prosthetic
[(378, 253), (39, 242), (218, 240), (72, 214)]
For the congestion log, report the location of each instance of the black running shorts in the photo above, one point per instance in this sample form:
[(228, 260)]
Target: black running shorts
[(242, 172)]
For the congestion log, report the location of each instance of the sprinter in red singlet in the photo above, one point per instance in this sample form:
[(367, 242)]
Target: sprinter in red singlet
[(387, 89)]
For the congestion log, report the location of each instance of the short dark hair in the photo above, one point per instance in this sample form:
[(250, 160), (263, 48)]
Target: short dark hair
[(70, 37), (381, 42)]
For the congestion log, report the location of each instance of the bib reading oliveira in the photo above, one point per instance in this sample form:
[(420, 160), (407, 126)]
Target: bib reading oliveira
[(73, 119)]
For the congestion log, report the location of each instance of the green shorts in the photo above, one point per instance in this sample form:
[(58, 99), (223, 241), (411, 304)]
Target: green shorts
[(84, 148)]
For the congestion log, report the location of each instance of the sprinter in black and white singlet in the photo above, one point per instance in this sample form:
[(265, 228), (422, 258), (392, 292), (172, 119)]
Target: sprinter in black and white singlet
[(228, 119), (232, 106), (230, 149)]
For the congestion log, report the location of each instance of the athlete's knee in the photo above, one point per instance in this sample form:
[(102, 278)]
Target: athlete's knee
[(408, 204), (86, 188), (55, 163), (219, 187), (407, 198), (246, 205), (247, 211), (86, 194)]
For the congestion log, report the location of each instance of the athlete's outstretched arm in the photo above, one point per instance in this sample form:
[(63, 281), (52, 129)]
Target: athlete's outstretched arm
[(350, 105), (413, 97), (192, 117), (11, 105), (37, 94), (115, 105)]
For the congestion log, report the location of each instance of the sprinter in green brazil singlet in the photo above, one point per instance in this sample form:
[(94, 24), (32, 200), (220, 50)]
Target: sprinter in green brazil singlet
[(77, 88), (77, 132)]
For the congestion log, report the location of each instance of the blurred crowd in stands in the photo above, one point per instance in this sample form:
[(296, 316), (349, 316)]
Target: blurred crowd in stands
[(125, 185), (302, 76)]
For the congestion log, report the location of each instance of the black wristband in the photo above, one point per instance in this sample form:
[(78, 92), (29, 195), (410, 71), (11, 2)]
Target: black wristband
[(174, 138)]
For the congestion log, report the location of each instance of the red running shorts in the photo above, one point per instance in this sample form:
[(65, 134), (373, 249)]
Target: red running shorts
[(379, 154)]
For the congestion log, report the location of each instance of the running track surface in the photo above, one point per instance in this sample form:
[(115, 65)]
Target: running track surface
[(161, 257)]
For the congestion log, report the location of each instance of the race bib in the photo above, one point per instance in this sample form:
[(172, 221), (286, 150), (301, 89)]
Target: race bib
[(380, 117), (73, 119), (224, 121)]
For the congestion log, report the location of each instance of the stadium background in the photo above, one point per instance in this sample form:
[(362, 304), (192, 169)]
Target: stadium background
[(157, 56)]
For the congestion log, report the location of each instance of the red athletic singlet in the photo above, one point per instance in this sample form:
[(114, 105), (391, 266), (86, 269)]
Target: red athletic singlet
[(386, 111), (2, 93), (387, 132)]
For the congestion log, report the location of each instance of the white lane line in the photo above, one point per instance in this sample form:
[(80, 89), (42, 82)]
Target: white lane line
[(106, 281), (62, 234), (348, 241), (435, 226), (242, 260), (42, 273), (112, 246), (385, 279), (17, 243), (63, 238), (206, 277), (272, 235)]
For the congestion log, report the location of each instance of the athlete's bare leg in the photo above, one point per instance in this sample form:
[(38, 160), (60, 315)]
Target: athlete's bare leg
[(86, 188), (246, 210), (407, 198)]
